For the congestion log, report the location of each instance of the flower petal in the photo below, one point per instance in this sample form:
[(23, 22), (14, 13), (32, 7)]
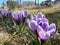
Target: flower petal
[(52, 26), (19, 15), (28, 21), (39, 28), (33, 17), (52, 29), (33, 25), (44, 24), (40, 16), (45, 20)]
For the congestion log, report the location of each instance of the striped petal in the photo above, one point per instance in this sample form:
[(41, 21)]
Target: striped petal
[(33, 17), (40, 16), (25, 13), (33, 25), (44, 24), (28, 21), (52, 29)]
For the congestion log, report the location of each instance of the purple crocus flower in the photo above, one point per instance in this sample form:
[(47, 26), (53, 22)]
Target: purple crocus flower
[(40, 24), (43, 34), (20, 15), (4, 13), (24, 13), (16, 15)]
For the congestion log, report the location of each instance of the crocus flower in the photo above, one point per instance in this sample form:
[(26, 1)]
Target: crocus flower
[(4, 13), (16, 15), (24, 13), (40, 24), (43, 34), (20, 15)]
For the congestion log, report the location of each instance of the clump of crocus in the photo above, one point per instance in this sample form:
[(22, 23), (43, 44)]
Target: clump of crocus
[(40, 24), (21, 15)]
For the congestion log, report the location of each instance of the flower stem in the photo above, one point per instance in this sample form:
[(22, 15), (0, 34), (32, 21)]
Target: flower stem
[(42, 42), (36, 33), (37, 41)]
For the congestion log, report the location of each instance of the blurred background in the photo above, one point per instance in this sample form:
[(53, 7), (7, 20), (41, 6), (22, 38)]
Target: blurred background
[(51, 8)]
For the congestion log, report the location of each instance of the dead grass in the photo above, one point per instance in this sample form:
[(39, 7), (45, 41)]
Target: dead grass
[(53, 9), (3, 37)]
